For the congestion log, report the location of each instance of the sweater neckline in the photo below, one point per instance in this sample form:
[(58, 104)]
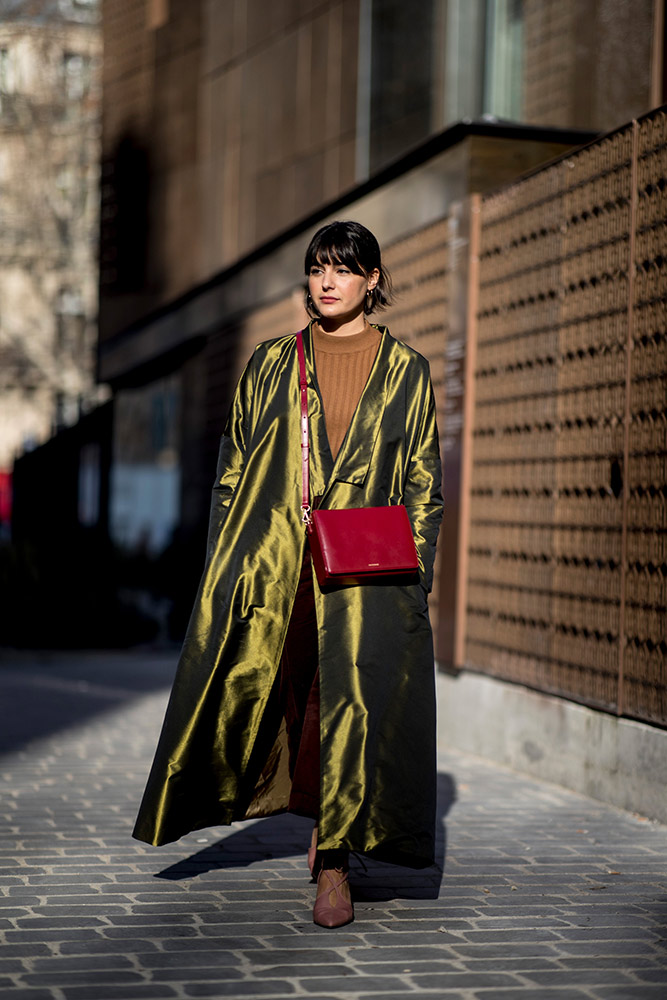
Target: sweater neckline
[(329, 343)]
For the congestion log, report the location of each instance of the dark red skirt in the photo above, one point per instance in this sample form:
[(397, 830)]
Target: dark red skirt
[(300, 697)]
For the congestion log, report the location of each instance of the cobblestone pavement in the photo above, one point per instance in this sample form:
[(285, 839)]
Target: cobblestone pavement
[(545, 894)]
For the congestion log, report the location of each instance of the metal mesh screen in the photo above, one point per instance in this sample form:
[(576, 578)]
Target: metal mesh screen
[(419, 268), (566, 561), (644, 677)]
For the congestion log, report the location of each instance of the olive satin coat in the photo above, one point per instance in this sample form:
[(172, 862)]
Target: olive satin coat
[(222, 754)]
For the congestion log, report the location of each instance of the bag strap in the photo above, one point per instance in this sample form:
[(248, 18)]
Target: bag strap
[(305, 443)]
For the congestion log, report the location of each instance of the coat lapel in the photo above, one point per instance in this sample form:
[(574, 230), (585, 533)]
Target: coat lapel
[(321, 460)]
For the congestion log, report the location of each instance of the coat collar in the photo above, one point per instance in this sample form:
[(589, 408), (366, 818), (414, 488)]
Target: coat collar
[(354, 457)]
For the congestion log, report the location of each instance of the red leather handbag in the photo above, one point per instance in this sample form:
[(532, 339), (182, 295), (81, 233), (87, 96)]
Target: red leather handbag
[(356, 544)]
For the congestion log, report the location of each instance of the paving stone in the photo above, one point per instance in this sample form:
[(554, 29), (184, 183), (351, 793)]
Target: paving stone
[(297, 971), (91, 977), (238, 929), (404, 954), (525, 993), (651, 975), (183, 974), (82, 963), (27, 994), (98, 946), (229, 943), (26, 937), (8, 965), (522, 950), (643, 992), (27, 950), (633, 963), (402, 936), (414, 993), (461, 980), (150, 931), (515, 935), (606, 933), (97, 909), (580, 977), (314, 937), (629, 948), (12, 903), (276, 988), (187, 959), (522, 966), (142, 920), (312, 956), (234, 915), (68, 879), (147, 991), (408, 967), (52, 923), (355, 984), (186, 907)]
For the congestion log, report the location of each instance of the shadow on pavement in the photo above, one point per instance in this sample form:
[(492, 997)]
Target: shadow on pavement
[(288, 836), (42, 693)]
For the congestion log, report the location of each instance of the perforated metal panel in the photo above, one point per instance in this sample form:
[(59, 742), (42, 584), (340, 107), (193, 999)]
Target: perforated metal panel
[(418, 265), (566, 572), (644, 678), (419, 268)]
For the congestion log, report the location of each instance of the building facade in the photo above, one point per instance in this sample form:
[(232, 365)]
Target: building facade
[(227, 121), (49, 151)]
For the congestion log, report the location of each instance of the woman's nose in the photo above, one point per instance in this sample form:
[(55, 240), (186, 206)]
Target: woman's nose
[(327, 279)]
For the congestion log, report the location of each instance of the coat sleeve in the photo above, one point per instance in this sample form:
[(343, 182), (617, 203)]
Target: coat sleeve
[(422, 494), (231, 457)]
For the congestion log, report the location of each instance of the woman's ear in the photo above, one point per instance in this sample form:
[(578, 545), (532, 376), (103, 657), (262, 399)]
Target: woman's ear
[(373, 279)]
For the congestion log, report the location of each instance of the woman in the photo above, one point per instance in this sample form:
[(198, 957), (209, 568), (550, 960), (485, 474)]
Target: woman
[(287, 695)]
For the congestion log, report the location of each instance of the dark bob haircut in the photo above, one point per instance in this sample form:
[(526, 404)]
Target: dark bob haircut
[(353, 245)]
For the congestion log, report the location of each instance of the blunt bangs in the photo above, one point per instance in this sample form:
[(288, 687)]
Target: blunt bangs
[(346, 243)]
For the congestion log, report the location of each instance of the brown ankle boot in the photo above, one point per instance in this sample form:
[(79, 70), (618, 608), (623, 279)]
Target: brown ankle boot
[(333, 907)]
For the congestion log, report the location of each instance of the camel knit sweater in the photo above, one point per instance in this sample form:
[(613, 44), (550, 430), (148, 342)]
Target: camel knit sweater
[(343, 365)]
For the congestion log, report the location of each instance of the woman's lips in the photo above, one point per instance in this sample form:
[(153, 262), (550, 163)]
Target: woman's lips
[(328, 298)]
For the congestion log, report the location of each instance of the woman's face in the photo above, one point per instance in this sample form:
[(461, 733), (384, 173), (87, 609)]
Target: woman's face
[(338, 293)]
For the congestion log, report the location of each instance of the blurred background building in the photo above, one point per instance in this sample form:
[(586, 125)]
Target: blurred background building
[(529, 271), (50, 104)]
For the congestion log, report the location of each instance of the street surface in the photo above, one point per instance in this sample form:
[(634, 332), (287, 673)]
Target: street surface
[(545, 895)]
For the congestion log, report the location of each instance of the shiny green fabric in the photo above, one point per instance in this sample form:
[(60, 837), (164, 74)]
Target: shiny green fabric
[(222, 755)]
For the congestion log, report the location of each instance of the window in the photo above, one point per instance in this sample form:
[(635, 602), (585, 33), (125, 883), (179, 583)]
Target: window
[(76, 75), (90, 463), (124, 230), (401, 69), (504, 59), (83, 11), (70, 324), (424, 66), (7, 72)]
